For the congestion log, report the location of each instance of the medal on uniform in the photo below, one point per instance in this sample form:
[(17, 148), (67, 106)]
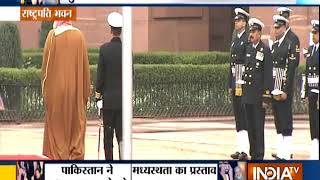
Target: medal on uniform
[(239, 72), (238, 91), (257, 65), (259, 56), (297, 49)]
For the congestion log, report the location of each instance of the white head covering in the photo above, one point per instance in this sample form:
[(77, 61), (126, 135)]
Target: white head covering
[(279, 20), (315, 25), (255, 23), (241, 14), (115, 19), (284, 11)]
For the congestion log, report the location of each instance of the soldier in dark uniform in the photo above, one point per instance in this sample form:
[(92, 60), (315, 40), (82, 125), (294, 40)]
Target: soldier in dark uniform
[(311, 89), (285, 12), (257, 87), (284, 65), (109, 85), (238, 53)]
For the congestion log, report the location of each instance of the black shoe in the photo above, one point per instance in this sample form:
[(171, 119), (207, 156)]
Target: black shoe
[(235, 155), (243, 156), (274, 155), (278, 158)]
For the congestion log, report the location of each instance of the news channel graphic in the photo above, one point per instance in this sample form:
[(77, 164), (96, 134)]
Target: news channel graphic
[(8, 170), (48, 13), (285, 170), (45, 2), (135, 170), (30, 170), (181, 170), (159, 170), (236, 170), (281, 171), (159, 2)]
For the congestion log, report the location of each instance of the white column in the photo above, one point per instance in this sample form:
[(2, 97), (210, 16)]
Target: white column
[(127, 82)]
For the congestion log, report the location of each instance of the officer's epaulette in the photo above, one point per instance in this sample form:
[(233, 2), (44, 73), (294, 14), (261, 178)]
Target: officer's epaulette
[(297, 48)]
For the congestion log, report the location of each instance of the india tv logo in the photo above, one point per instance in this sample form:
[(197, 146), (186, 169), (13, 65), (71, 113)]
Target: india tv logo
[(275, 171)]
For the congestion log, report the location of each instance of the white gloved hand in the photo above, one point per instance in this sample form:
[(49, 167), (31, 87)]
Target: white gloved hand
[(305, 51), (99, 105)]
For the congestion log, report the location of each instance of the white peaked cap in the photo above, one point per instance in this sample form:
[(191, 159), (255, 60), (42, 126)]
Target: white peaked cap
[(315, 25), (241, 11), (315, 22), (279, 18), (254, 21), (115, 19), (284, 9)]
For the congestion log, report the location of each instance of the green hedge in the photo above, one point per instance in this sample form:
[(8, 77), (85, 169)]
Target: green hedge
[(195, 58), (25, 77), (9, 76), (33, 50), (159, 90), (181, 90), (33, 58), (155, 73)]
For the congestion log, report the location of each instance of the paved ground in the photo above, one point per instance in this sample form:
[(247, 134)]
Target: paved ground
[(181, 138)]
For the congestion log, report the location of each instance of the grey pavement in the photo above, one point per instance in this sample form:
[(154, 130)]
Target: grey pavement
[(160, 138)]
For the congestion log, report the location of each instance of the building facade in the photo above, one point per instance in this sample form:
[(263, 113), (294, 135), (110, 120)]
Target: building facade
[(175, 28)]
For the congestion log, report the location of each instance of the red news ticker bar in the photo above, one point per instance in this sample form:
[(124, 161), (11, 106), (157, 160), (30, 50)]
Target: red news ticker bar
[(48, 13)]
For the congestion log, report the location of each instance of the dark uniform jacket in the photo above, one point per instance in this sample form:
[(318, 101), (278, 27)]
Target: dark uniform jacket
[(109, 74), (285, 57), (312, 70), (258, 74), (295, 43), (238, 55)]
